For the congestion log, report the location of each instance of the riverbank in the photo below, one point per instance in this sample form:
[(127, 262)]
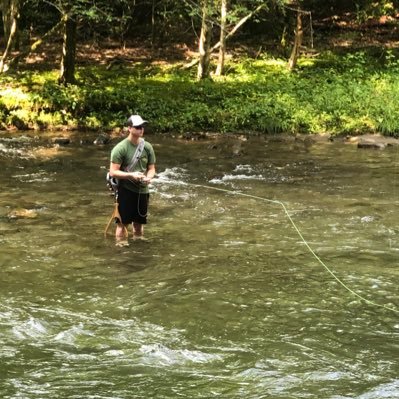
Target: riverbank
[(336, 93), (52, 140)]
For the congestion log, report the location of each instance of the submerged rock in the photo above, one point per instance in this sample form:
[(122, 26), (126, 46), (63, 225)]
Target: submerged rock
[(102, 139), (22, 213), (370, 144), (372, 141), (62, 140), (194, 136)]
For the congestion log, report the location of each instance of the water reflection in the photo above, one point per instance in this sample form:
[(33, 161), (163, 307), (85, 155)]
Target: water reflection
[(222, 299)]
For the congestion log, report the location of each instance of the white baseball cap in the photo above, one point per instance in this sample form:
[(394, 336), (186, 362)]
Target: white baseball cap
[(135, 121)]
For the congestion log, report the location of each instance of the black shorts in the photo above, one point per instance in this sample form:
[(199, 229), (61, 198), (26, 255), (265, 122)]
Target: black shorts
[(132, 206)]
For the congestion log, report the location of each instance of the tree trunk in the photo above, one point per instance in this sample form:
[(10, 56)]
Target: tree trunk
[(153, 24), (297, 42), (204, 43), (6, 15), (67, 70), (222, 49), (230, 34), (10, 11)]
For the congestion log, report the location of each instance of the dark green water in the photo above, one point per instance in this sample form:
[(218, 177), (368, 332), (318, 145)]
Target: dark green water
[(222, 299)]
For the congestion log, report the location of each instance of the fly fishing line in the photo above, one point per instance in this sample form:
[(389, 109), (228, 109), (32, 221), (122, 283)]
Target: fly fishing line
[(319, 260)]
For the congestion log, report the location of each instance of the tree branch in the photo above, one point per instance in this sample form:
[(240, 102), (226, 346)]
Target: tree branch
[(36, 44), (230, 34)]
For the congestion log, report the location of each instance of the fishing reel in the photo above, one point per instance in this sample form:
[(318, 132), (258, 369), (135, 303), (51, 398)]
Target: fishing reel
[(112, 183)]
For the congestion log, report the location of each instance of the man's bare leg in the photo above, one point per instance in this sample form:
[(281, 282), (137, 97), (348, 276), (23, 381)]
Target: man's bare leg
[(138, 229), (120, 232)]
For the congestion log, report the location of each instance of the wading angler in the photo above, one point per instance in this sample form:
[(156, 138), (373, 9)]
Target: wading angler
[(131, 169)]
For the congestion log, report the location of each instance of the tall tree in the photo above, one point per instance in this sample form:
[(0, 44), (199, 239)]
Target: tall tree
[(222, 40), (67, 68), (8, 9), (68, 10), (297, 40), (10, 14), (67, 14), (205, 41), (233, 31)]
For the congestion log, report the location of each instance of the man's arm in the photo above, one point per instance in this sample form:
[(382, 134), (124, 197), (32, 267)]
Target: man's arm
[(149, 175), (115, 171)]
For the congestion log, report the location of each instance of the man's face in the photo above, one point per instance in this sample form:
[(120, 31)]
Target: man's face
[(137, 131)]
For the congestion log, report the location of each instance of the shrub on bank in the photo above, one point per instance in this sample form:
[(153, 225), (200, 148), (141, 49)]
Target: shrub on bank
[(347, 94)]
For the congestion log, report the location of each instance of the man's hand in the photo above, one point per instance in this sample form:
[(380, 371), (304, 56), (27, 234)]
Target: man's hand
[(138, 176), (146, 180)]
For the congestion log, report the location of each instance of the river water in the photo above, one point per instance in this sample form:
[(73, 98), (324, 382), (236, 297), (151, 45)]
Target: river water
[(223, 299)]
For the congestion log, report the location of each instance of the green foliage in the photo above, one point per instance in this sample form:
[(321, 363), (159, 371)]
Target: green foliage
[(373, 9), (340, 94)]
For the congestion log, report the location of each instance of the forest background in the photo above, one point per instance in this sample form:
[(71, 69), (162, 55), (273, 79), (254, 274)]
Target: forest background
[(259, 66)]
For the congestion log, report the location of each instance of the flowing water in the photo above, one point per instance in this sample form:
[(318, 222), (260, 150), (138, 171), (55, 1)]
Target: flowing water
[(222, 299)]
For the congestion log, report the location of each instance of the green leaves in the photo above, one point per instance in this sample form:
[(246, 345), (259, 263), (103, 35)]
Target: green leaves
[(338, 94)]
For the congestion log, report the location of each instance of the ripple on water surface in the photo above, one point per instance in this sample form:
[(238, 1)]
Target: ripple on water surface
[(223, 299)]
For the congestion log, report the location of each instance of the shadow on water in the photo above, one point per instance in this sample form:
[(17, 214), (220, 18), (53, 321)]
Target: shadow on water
[(222, 299)]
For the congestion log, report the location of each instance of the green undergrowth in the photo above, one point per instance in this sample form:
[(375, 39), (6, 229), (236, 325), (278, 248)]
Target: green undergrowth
[(352, 93)]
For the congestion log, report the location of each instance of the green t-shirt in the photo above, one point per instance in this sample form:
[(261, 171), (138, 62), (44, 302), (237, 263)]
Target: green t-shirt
[(122, 154)]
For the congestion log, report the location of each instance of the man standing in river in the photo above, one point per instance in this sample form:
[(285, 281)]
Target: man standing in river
[(133, 164)]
